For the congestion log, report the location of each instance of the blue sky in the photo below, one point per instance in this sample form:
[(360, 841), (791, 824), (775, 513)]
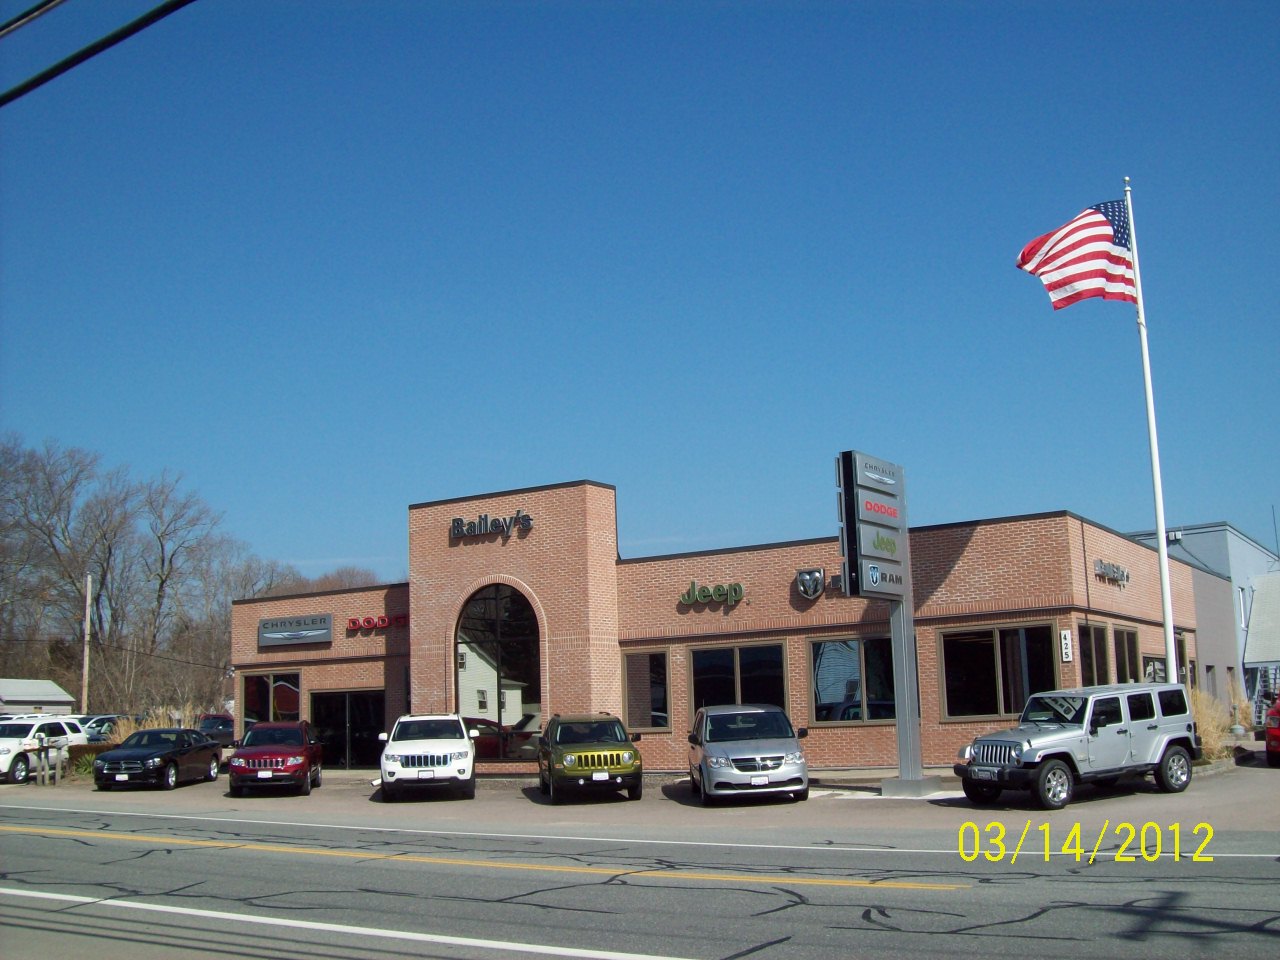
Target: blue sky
[(329, 259)]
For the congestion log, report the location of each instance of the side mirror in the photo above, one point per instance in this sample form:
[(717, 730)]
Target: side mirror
[(693, 739), (473, 734), (635, 738), (802, 733), (382, 738)]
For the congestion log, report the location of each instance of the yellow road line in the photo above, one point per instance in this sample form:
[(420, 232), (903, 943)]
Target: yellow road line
[(483, 864)]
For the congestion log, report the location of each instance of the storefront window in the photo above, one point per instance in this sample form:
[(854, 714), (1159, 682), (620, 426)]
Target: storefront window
[(992, 672), (852, 679), (738, 675), (271, 696), (645, 683), (1128, 666), (498, 651), (1093, 655)]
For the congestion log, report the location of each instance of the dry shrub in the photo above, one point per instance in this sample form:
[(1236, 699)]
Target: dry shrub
[(1213, 723), (186, 715)]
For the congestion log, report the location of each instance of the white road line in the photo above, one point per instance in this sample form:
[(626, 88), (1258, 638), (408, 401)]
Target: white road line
[(502, 945)]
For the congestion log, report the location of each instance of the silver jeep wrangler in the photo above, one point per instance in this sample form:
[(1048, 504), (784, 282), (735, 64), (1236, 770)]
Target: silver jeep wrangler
[(1090, 734)]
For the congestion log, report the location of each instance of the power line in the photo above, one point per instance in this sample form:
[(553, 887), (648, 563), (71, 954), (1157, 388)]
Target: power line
[(22, 19), (116, 646), (92, 50)]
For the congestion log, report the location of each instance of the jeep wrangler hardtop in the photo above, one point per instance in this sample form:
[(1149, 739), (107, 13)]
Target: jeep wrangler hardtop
[(1088, 734)]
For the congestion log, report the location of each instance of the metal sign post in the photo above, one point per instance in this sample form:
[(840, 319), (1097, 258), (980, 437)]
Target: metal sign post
[(876, 552)]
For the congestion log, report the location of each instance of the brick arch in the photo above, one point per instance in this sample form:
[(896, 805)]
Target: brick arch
[(488, 580)]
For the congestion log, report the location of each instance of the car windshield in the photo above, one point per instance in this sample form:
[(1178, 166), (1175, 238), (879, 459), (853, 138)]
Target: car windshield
[(150, 738), (1044, 708), (214, 724), (446, 729), (726, 727), (273, 737), (601, 731), (101, 723), (15, 731)]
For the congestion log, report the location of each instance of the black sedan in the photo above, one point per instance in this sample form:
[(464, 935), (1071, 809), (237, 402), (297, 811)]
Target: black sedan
[(158, 758)]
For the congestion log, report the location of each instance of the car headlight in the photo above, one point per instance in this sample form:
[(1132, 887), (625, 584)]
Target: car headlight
[(237, 761), (965, 753), (718, 762), (796, 757), (154, 762), (293, 761), (627, 756), (570, 759), (460, 755), (97, 764)]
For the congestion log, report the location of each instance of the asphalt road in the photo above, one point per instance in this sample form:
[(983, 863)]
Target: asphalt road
[(847, 874)]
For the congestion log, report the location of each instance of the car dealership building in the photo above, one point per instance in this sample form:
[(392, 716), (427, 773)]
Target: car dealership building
[(519, 606)]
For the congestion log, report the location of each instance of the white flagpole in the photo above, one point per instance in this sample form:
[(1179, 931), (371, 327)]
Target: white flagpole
[(1162, 547)]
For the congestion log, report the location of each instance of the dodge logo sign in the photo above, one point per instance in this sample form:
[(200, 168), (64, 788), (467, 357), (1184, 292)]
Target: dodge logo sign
[(873, 574), (810, 582)]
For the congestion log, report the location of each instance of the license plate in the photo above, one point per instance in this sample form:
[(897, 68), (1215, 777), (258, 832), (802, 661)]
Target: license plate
[(122, 776), (264, 774), (600, 775), (759, 781), (980, 774), (426, 774)]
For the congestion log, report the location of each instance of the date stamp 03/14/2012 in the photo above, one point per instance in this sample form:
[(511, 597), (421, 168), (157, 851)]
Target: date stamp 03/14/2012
[(1147, 842)]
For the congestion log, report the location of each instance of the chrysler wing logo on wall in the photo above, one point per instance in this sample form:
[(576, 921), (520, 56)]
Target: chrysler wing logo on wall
[(810, 582), (295, 635), (873, 574)]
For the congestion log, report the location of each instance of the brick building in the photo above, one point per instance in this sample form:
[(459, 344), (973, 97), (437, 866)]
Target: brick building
[(518, 605)]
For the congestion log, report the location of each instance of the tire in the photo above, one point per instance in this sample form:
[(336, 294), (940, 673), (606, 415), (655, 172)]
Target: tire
[(319, 777), (20, 769), (555, 794), (389, 794), (212, 773), (981, 794), (237, 791), (544, 785), (693, 783), (304, 788), (703, 797), (1273, 758), (1173, 772), (800, 795), (1054, 785), (170, 777), (636, 792), (468, 788), (104, 787)]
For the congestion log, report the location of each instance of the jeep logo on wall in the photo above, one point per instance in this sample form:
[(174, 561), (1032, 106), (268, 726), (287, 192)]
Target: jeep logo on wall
[(721, 593)]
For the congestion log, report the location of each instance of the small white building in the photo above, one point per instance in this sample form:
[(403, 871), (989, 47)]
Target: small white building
[(34, 696)]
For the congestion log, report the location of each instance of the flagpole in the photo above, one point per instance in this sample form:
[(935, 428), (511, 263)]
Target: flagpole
[(1162, 547)]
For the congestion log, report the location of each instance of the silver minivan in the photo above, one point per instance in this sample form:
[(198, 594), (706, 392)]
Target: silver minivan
[(740, 749)]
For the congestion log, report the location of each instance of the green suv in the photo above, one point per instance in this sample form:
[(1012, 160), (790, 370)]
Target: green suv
[(588, 752)]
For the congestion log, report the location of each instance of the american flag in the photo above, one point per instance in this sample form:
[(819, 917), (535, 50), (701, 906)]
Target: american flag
[(1089, 257)]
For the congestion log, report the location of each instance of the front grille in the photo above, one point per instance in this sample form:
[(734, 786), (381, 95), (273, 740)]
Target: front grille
[(993, 754), (756, 764), (122, 766), (598, 761), (426, 760), (269, 763)]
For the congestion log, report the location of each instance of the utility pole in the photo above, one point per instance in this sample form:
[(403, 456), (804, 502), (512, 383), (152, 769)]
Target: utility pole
[(84, 669)]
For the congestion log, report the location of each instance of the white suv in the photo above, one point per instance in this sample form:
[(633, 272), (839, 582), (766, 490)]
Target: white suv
[(1090, 734), (428, 750), (22, 738)]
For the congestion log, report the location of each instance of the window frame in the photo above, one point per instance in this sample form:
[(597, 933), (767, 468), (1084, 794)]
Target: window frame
[(811, 645), (1128, 667), (734, 648), (1094, 631), (665, 654), (997, 633)]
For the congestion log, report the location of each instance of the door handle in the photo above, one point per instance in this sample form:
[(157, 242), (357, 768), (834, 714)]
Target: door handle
[(1153, 726), (1122, 730)]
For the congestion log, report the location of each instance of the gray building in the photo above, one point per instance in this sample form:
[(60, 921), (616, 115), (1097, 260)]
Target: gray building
[(1229, 652), (34, 696)]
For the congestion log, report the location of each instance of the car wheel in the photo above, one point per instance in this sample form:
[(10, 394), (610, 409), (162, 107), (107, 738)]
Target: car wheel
[(104, 786), (1053, 785), (304, 788), (636, 792), (212, 773), (703, 797), (389, 793), (555, 793), (800, 795), (319, 776), (237, 791), (1273, 758), (980, 793), (1173, 773), (468, 788), (544, 785), (693, 783), (170, 779), (19, 770)]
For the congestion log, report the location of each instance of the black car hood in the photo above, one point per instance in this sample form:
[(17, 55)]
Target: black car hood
[(134, 753)]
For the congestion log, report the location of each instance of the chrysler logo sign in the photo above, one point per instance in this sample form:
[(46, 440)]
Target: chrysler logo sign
[(285, 631)]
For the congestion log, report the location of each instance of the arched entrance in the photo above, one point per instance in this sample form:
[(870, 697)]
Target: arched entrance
[(499, 671)]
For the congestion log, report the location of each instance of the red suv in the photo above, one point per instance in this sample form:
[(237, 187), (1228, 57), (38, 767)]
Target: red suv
[(1273, 734), (276, 754)]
